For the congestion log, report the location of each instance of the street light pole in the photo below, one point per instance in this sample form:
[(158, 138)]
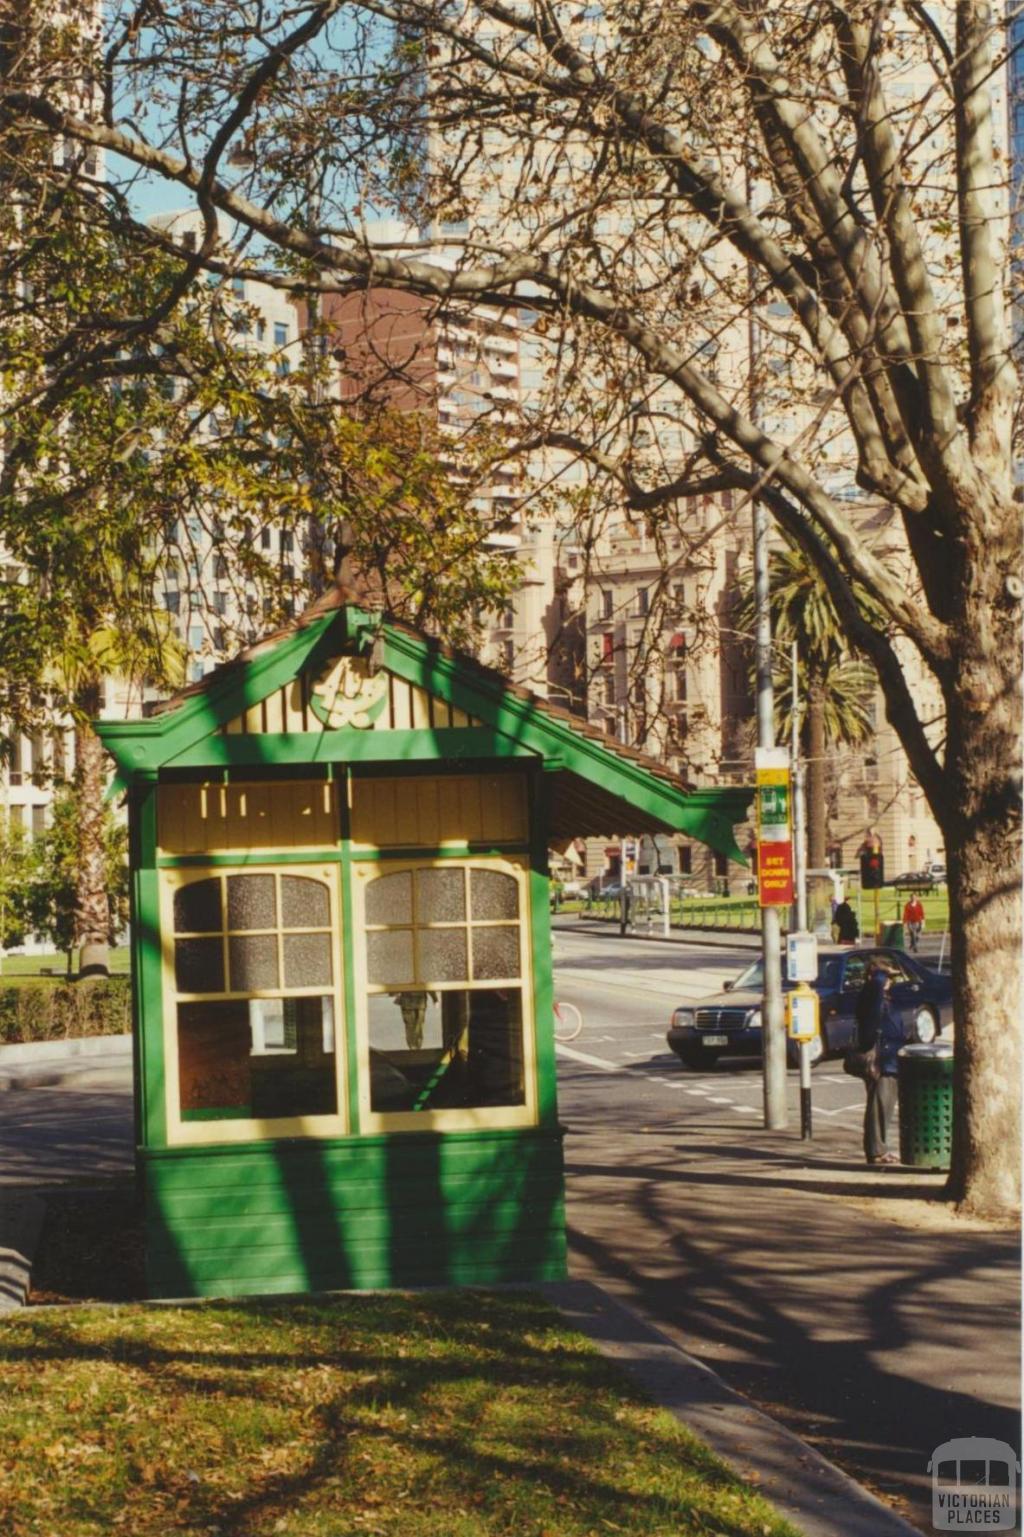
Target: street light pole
[(799, 803), (800, 875), (773, 1034)]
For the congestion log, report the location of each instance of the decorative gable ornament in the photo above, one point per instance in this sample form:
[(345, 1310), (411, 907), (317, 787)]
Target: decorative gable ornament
[(349, 694)]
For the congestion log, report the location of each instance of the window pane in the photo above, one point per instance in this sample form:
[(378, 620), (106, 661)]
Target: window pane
[(446, 1051), (442, 955), (389, 956), (253, 963), (307, 960), (271, 1032), (496, 952), (441, 896), (493, 895), (389, 898), (304, 903), (197, 908), (213, 1060), (251, 902), (230, 1066), (199, 966)]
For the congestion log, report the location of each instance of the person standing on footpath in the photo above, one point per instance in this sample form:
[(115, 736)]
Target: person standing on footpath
[(879, 1026), (913, 920), (844, 924)]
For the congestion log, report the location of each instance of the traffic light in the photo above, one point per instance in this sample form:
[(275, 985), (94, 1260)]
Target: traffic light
[(872, 869)]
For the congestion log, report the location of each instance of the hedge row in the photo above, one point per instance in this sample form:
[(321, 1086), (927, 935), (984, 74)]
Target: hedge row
[(43, 1011)]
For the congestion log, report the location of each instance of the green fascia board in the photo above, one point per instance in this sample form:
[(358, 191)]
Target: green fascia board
[(151, 744), (707, 815), (448, 744)]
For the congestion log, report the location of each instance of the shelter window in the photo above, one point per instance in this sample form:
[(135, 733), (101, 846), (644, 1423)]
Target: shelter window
[(444, 974), (254, 982)]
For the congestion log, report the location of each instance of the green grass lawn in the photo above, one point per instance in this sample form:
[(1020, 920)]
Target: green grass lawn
[(455, 1415), (38, 968)]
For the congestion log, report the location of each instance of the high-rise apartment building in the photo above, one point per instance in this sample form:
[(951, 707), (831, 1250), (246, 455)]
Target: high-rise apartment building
[(213, 610), (460, 365)]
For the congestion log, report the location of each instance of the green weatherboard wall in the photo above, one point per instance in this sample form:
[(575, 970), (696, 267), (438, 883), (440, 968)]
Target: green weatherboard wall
[(459, 1208), (369, 1208)]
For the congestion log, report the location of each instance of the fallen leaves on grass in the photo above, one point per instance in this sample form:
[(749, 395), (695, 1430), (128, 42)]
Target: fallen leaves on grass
[(449, 1415)]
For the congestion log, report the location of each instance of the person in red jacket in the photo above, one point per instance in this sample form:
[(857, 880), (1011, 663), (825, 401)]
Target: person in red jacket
[(913, 920)]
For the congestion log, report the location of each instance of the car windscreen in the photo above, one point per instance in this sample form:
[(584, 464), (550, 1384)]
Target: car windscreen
[(752, 978)]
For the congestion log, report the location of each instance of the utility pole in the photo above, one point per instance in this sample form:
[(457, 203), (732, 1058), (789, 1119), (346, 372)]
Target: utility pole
[(800, 876), (773, 1031), (799, 802)]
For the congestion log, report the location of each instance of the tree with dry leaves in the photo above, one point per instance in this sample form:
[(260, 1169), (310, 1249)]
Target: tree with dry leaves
[(782, 227)]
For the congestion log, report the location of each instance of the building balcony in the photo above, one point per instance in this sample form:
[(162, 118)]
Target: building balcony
[(499, 341)]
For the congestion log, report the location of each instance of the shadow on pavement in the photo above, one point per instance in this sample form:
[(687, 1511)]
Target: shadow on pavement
[(874, 1341)]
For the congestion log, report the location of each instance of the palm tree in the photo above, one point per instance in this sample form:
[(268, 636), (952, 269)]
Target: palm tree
[(836, 687)]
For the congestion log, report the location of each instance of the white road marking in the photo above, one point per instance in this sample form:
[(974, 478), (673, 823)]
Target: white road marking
[(587, 1059), (695, 1089)]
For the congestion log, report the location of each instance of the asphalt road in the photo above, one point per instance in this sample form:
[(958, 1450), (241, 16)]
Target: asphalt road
[(867, 1320)]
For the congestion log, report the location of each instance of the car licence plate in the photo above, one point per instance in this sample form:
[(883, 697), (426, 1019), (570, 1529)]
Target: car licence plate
[(714, 1040)]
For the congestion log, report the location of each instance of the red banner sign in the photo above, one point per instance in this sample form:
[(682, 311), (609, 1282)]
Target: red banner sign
[(775, 874)]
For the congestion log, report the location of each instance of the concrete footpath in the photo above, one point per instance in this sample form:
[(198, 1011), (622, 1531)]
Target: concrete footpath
[(812, 1493)]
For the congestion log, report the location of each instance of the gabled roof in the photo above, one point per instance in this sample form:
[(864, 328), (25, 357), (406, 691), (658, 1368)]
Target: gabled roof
[(596, 785)]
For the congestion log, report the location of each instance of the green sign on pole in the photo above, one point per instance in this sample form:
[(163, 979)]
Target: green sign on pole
[(774, 805)]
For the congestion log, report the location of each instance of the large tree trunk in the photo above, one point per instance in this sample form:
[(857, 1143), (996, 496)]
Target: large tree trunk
[(817, 817), (92, 906), (982, 827)]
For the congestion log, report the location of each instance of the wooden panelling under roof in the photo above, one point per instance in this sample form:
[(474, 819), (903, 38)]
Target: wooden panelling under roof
[(582, 810), (435, 810), (406, 707), (287, 709), (237, 818), (411, 707)]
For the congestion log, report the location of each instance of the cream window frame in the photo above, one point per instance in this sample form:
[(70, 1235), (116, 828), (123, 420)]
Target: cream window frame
[(263, 1128), (484, 1117)]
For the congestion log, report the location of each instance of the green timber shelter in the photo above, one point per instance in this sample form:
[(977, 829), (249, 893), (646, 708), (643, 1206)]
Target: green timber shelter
[(345, 1070)]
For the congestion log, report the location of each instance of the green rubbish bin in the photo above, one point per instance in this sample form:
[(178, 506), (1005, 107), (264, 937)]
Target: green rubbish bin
[(925, 1084), (893, 937)]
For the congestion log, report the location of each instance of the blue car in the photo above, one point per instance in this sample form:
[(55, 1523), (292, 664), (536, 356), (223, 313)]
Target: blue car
[(730, 1024)]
